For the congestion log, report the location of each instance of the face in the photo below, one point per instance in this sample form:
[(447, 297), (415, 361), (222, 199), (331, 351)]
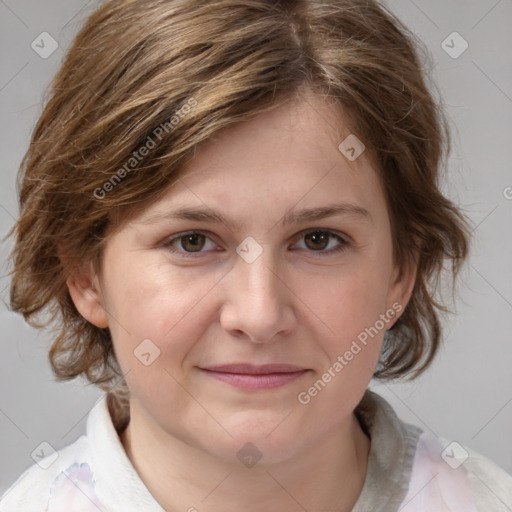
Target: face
[(265, 327)]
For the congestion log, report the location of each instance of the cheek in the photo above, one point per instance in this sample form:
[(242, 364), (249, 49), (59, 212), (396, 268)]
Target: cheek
[(348, 305), (351, 309), (152, 302), (349, 300)]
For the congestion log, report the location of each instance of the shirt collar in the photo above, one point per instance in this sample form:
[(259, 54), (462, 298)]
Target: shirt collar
[(117, 481), (392, 450)]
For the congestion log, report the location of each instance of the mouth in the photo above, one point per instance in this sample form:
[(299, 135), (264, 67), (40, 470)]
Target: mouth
[(252, 377)]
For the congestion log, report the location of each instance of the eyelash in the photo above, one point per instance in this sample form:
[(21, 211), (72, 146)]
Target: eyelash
[(339, 249)]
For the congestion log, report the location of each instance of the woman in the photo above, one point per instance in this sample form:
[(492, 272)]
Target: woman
[(233, 212)]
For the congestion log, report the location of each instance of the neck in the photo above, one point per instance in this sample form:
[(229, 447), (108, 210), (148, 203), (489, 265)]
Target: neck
[(326, 476)]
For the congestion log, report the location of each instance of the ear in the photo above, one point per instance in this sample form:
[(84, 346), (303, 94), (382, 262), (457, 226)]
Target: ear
[(85, 290), (402, 285)]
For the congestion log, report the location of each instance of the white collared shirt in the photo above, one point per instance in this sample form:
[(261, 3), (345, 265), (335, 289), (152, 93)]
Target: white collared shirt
[(409, 470)]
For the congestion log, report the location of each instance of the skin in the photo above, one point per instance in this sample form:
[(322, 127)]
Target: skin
[(296, 303)]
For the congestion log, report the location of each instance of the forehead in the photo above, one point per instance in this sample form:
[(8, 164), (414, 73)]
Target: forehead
[(286, 158)]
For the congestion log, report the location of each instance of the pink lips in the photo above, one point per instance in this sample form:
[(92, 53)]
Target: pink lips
[(248, 376)]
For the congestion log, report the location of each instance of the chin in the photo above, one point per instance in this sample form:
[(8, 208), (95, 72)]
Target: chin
[(268, 439), (253, 452)]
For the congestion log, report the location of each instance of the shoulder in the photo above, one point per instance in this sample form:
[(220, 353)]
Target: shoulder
[(93, 473), (491, 484), (447, 475), (61, 480), (428, 473), (64, 473)]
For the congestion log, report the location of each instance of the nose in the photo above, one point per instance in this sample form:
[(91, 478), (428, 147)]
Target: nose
[(259, 303)]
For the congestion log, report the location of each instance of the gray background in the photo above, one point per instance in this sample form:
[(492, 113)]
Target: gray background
[(467, 394)]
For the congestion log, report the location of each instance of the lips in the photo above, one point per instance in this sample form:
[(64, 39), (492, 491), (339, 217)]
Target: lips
[(255, 377), (246, 368)]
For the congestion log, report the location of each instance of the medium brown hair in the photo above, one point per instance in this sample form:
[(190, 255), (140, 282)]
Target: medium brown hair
[(185, 70)]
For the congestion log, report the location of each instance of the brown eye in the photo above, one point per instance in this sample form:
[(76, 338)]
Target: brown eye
[(192, 242), (317, 240), (187, 244)]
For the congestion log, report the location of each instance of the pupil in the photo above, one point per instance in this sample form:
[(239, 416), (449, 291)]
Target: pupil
[(318, 238), (193, 239)]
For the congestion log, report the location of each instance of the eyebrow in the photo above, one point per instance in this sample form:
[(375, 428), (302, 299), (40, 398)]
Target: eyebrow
[(297, 217)]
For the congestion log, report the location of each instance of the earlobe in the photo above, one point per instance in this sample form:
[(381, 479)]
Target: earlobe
[(85, 290)]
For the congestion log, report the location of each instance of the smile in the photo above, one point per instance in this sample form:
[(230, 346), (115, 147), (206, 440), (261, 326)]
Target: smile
[(250, 377)]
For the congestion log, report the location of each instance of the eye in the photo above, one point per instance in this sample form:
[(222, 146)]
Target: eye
[(316, 240), (319, 239), (190, 242)]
